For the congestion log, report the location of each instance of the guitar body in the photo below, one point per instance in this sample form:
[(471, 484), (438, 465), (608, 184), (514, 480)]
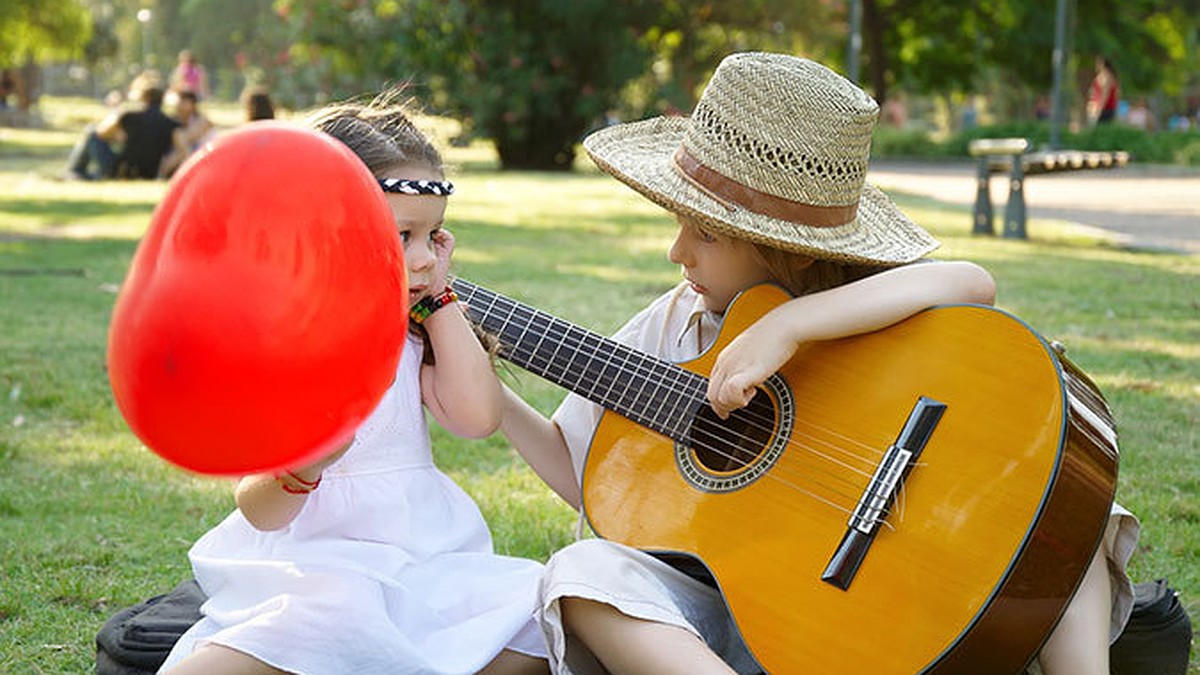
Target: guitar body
[(990, 532)]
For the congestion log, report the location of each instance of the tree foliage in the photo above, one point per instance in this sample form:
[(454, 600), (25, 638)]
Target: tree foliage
[(532, 75), (536, 91), (935, 47), (40, 29), (535, 75)]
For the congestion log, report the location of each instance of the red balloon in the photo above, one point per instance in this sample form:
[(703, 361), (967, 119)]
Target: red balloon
[(265, 309)]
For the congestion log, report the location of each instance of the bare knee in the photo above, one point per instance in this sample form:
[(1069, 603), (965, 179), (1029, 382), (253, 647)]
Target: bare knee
[(626, 644), (508, 662), (213, 658)]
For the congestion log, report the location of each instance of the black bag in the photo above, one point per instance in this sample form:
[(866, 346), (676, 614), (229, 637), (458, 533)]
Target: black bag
[(1158, 638), (136, 640)]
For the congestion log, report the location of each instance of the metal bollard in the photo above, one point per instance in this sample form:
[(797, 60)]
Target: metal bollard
[(983, 199), (1014, 211)]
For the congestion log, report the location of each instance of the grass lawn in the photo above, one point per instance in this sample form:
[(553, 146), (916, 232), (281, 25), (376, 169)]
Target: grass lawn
[(90, 521)]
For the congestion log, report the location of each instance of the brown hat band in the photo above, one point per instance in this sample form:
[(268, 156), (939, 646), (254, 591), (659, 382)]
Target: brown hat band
[(733, 194)]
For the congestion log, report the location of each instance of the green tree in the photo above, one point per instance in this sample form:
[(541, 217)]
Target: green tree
[(691, 37), (40, 29), (536, 75), (532, 75), (34, 30), (935, 47)]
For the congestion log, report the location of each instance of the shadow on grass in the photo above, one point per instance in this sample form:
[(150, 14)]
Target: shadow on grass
[(65, 210), (48, 152)]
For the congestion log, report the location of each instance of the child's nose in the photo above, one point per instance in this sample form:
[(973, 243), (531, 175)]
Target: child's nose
[(678, 253), (420, 258)]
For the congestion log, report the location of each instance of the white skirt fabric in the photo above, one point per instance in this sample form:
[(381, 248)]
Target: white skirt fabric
[(638, 585), (389, 567)]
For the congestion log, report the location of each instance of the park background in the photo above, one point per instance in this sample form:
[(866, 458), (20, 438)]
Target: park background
[(90, 521)]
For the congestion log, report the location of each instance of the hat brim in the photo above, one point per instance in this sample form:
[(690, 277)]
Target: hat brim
[(640, 154)]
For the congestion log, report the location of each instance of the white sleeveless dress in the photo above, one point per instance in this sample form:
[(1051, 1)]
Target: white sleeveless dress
[(387, 569)]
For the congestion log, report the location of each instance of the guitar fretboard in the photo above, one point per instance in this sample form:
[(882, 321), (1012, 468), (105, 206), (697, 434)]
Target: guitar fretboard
[(654, 393)]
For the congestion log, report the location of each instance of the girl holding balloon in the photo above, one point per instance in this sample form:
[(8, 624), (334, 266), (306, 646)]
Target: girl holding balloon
[(371, 559)]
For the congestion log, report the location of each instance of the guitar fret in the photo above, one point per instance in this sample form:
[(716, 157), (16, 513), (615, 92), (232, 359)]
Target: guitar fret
[(537, 348), (634, 402), (650, 406), (639, 394), (558, 343), (583, 371), (531, 351), (606, 370), (547, 364), (673, 415)]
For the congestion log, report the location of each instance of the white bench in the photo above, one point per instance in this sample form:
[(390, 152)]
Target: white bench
[(1008, 155)]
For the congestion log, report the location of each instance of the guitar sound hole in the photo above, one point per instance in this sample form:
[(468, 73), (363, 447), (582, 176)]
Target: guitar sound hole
[(730, 445)]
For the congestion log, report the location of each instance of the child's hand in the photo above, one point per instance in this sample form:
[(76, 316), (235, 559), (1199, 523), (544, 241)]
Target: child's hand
[(443, 247), (746, 362)]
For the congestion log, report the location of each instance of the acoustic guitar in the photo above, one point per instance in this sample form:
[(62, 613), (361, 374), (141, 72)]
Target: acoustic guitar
[(922, 498)]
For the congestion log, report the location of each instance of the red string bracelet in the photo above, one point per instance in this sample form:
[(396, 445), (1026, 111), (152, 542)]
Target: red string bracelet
[(305, 487)]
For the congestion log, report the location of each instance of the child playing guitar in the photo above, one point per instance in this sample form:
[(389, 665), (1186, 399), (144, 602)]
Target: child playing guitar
[(766, 183)]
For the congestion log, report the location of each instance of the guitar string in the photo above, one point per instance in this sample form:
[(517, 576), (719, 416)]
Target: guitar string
[(628, 353), (692, 392), (773, 475), (764, 424), (689, 390)]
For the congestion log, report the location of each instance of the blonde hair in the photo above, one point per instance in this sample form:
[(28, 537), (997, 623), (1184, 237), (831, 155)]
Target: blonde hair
[(380, 132), (802, 274)]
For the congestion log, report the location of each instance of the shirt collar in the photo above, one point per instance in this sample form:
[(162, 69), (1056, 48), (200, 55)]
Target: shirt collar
[(701, 326)]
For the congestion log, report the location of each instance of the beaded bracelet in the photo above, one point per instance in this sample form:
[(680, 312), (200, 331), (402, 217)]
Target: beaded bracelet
[(432, 303), (306, 486)]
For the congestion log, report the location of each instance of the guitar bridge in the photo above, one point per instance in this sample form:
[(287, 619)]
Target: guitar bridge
[(881, 491)]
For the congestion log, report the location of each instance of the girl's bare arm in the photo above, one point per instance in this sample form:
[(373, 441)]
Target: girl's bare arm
[(461, 389)]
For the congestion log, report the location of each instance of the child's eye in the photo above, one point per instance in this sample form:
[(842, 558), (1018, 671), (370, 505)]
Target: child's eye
[(705, 235), (404, 236)]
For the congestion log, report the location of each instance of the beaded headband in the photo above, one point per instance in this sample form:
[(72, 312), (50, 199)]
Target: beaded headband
[(417, 187)]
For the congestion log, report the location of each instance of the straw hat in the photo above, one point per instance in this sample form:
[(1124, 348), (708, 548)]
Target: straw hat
[(776, 152)]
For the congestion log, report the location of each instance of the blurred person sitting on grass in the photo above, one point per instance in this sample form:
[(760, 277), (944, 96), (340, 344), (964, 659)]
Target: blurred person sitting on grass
[(195, 129), (145, 135), (257, 104)]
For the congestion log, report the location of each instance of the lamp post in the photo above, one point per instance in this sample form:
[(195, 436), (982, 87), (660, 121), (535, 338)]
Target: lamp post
[(143, 17), (854, 49), (1059, 64)]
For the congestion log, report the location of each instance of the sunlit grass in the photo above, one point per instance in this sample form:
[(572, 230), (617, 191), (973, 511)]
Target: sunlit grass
[(91, 521)]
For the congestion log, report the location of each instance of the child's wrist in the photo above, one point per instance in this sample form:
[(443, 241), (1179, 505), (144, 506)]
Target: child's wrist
[(426, 306)]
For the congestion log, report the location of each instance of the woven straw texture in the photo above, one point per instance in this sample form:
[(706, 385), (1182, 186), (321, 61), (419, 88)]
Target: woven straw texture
[(781, 125)]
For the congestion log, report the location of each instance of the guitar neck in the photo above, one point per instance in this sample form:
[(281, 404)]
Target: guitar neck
[(654, 393)]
